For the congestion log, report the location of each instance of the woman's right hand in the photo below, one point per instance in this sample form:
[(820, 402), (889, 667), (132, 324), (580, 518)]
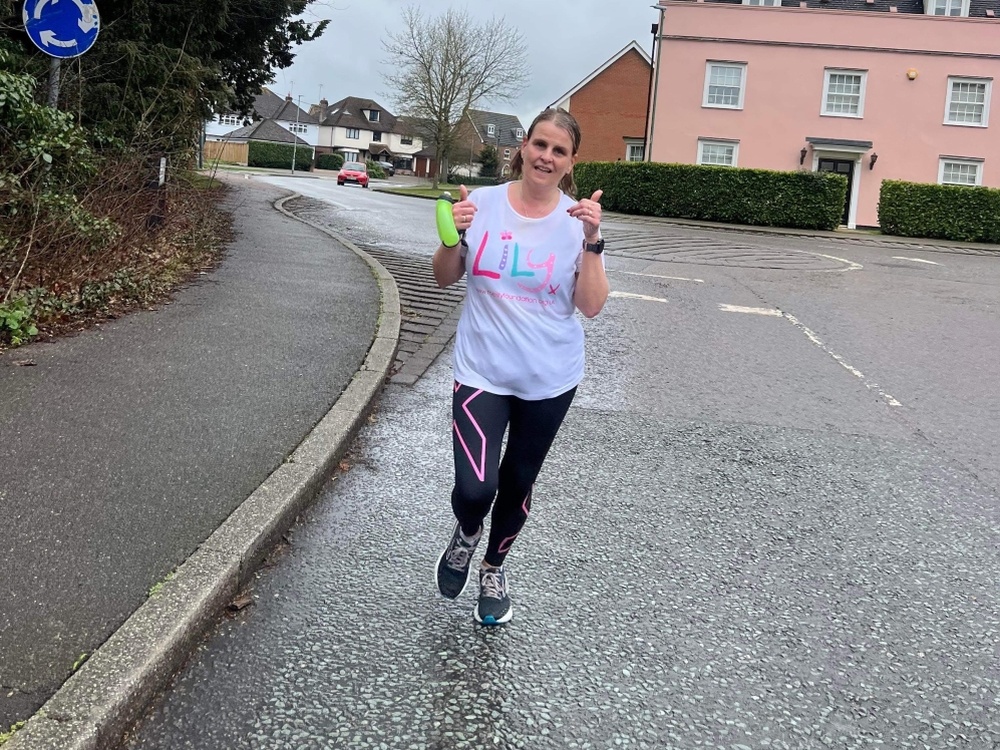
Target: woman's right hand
[(463, 210)]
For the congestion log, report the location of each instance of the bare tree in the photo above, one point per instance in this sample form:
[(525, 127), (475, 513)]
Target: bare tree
[(443, 66)]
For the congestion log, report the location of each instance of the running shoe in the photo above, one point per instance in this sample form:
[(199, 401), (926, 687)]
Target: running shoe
[(494, 606), (453, 565)]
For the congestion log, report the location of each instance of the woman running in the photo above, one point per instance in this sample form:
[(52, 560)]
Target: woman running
[(532, 254)]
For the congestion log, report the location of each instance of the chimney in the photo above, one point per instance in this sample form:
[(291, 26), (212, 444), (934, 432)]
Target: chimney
[(324, 103), (288, 97)]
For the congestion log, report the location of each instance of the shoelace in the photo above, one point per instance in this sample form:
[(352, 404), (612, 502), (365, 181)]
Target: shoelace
[(493, 584), (458, 556)]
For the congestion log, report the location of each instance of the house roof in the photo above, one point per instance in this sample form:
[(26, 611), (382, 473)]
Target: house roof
[(977, 8), (269, 106), (265, 130), (633, 45), (347, 113), (506, 128)]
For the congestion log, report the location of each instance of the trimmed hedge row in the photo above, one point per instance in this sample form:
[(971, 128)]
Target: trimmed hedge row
[(330, 161), (278, 156), (456, 179), (945, 212), (802, 200)]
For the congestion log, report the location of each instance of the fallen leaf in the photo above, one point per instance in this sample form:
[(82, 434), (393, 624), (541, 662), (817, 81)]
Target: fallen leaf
[(240, 602)]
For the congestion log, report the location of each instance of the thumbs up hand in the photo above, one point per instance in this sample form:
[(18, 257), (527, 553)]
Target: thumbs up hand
[(589, 212), (463, 210)]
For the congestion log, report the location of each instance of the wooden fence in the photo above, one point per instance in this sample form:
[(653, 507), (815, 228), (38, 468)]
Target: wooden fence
[(225, 151)]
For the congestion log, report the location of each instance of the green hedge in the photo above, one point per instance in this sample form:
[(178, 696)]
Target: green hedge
[(802, 200), (946, 212), (278, 156), (457, 179), (330, 161), (374, 170)]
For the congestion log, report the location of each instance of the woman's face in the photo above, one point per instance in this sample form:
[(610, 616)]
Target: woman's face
[(548, 154)]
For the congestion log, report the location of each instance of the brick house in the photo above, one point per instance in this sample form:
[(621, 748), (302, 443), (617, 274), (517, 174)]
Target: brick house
[(871, 89), (610, 105), (479, 128)]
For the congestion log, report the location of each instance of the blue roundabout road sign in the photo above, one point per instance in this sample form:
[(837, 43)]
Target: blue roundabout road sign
[(62, 28)]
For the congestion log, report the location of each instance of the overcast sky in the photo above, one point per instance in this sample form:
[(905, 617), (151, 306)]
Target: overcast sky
[(566, 40)]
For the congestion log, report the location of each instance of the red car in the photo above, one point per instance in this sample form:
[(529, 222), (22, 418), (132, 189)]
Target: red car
[(353, 171)]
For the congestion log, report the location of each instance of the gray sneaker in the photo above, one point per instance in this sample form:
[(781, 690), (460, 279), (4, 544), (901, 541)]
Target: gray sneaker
[(453, 565), (494, 606)]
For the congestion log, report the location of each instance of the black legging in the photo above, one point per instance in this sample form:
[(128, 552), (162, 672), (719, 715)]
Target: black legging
[(480, 419)]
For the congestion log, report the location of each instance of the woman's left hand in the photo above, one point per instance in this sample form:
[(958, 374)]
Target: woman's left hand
[(589, 212)]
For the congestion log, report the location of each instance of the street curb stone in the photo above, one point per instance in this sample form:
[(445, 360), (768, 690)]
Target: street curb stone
[(101, 701)]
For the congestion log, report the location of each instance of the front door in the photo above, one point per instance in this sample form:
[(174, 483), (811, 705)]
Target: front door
[(846, 168)]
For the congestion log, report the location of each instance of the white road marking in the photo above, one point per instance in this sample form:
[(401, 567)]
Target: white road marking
[(657, 276), (628, 295), (773, 312), (851, 265), (840, 360), (916, 260), (750, 310)]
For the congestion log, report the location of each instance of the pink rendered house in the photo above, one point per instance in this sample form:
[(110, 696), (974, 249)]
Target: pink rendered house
[(866, 88)]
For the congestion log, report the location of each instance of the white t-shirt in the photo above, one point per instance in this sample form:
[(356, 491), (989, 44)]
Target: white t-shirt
[(518, 334)]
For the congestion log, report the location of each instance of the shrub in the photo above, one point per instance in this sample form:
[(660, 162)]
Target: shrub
[(329, 161), (375, 170), (803, 200), (947, 212), (455, 179), (278, 155)]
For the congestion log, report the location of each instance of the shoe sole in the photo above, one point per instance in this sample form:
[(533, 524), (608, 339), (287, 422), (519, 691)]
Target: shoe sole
[(468, 575), (490, 620)]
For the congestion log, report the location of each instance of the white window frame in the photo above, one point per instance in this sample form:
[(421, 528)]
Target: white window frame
[(722, 142), (229, 120), (765, 3), (373, 115), (963, 6), (298, 127), (635, 151), (742, 66), (406, 140), (824, 107), (353, 134), (491, 129), (952, 80), (519, 134), (961, 161), (506, 154)]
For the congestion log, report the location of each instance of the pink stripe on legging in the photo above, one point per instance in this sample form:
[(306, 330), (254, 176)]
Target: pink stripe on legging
[(481, 469), (506, 543)]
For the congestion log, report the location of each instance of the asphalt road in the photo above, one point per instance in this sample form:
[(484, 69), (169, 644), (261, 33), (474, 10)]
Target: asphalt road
[(770, 521)]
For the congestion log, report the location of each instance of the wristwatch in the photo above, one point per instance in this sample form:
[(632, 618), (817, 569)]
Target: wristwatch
[(597, 247)]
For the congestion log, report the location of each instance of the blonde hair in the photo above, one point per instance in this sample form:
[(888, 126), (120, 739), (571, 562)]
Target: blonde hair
[(563, 119)]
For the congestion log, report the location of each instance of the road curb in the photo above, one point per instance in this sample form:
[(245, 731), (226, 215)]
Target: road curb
[(102, 700)]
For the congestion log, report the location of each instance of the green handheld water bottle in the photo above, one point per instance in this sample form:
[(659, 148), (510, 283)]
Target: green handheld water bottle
[(446, 222)]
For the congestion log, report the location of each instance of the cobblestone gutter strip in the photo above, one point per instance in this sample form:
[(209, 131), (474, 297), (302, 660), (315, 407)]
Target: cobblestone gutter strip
[(96, 707)]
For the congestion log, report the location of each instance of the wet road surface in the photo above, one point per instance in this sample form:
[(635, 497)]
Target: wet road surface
[(770, 521)]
